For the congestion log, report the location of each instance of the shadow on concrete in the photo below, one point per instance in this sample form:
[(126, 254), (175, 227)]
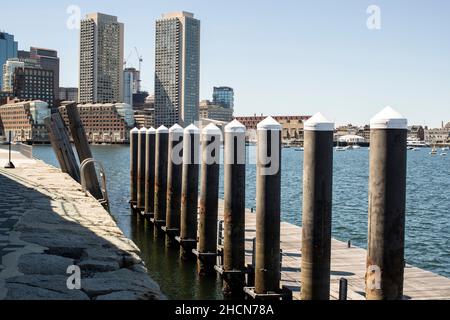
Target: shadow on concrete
[(40, 239)]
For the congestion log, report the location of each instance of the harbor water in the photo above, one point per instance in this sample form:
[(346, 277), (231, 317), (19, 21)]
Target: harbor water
[(427, 216)]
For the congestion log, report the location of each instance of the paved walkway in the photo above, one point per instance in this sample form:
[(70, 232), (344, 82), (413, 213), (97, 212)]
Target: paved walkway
[(345, 262), (47, 225)]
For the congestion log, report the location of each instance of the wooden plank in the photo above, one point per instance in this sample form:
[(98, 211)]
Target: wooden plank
[(345, 262), (84, 152)]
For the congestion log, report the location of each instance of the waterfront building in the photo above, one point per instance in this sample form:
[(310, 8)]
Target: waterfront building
[(145, 118), (437, 136), (177, 69), (210, 110), (224, 97), (8, 50), (101, 59), (25, 120), (292, 126), (416, 133), (68, 94), (104, 122)]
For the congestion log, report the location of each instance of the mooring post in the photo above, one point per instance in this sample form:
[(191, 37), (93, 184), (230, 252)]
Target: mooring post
[(174, 176), (209, 199), (134, 136), (317, 202), (161, 159), (189, 193), (84, 152), (268, 195), (150, 143), (234, 210), (387, 199), (142, 137)]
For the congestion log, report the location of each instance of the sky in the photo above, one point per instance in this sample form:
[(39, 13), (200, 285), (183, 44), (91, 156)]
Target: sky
[(285, 57)]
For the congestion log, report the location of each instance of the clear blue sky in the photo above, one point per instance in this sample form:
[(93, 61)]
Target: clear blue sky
[(281, 57)]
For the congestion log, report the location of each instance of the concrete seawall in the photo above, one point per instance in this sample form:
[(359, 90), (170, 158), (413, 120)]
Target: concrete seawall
[(47, 226)]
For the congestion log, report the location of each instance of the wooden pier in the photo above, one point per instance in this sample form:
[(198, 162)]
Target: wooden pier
[(346, 263)]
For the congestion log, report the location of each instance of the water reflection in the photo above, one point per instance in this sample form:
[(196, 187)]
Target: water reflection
[(178, 279)]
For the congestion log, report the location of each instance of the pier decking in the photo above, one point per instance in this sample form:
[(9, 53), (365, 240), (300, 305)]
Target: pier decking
[(345, 262)]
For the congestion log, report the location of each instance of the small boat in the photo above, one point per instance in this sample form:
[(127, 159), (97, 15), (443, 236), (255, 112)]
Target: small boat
[(341, 149), (433, 151), (443, 154), (355, 147), (445, 149)]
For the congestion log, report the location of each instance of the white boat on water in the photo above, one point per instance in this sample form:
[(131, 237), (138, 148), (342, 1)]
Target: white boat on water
[(434, 151), (445, 149)]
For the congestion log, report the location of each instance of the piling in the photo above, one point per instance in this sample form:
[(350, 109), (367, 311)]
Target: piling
[(134, 136), (162, 144), (189, 193), (209, 195), (142, 137), (387, 198), (150, 172), (317, 208), (83, 150), (234, 210), (174, 176), (268, 196)]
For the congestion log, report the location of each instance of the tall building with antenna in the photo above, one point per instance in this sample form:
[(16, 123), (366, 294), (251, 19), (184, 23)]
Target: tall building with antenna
[(177, 69)]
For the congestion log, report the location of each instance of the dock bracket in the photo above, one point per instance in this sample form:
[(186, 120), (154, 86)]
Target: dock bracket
[(285, 294)]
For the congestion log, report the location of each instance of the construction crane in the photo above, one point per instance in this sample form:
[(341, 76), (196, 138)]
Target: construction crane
[(140, 65)]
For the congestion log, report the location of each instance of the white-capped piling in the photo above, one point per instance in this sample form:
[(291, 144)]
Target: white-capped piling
[(189, 191), (317, 208), (387, 198), (233, 270), (268, 196), (142, 137), (209, 194), (174, 176), (150, 171), (134, 136), (162, 145)]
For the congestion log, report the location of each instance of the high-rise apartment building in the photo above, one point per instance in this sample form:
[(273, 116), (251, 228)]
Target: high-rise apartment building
[(224, 97), (8, 50), (128, 82), (101, 59), (177, 69)]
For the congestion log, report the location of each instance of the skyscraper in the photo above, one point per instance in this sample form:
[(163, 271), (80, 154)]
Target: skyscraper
[(101, 59), (8, 49), (128, 81), (177, 69), (224, 97)]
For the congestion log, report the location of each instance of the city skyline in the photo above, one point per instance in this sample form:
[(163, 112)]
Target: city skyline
[(304, 57)]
